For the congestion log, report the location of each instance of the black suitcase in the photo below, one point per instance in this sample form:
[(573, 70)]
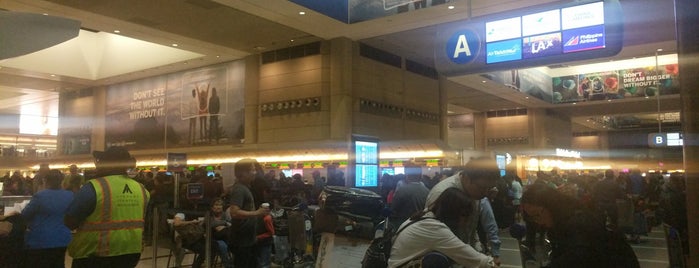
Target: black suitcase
[(354, 202)]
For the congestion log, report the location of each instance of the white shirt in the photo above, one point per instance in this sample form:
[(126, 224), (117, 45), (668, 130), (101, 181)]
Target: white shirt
[(516, 192), (468, 234), (430, 235)]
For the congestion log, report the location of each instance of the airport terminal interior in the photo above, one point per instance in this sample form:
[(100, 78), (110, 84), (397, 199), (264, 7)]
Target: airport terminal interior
[(359, 88)]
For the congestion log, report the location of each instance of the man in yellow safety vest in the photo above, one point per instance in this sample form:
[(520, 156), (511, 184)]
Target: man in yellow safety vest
[(108, 214)]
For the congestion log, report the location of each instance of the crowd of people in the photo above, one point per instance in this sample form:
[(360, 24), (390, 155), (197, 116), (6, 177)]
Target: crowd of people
[(579, 214), (453, 217)]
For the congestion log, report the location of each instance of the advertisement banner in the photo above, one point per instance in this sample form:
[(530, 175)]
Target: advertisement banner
[(191, 108), (617, 84), (642, 82), (599, 86)]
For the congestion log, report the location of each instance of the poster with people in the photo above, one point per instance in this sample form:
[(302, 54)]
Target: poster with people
[(197, 107), (599, 85)]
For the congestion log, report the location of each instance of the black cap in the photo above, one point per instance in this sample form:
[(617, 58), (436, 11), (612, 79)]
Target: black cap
[(114, 153)]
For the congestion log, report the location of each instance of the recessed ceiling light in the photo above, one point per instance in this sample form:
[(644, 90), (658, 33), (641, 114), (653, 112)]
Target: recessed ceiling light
[(117, 31), (45, 14), (574, 103), (659, 50), (526, 97), (175, 45), (450, 7), (483, 81), (53, 75), (609, 100), (302, 12), (292, 40), (217, 56)]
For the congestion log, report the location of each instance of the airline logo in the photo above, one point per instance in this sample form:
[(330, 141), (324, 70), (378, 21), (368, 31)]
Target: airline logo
[(503, 29), (463, 47), (504, 51), (543, 22), (582, 16), (584, 39)]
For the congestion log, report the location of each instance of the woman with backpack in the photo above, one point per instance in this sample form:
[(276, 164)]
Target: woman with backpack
[(428, 237)]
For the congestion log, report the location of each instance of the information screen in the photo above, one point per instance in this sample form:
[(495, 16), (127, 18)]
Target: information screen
[(366, 159), (366, 175)]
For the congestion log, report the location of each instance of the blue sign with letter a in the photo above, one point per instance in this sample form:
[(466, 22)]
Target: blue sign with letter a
[(463, 47)]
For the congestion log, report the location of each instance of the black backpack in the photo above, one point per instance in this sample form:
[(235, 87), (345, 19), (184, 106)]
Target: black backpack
[(379, 250)]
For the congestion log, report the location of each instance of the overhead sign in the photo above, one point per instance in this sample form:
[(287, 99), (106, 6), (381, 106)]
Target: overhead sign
[(531, 37), (176, 162), (665, 139)]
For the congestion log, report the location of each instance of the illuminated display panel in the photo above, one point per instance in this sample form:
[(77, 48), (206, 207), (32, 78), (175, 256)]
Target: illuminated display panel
[(542, 22), (582, 16), (548, 33), (503, 29), (366, 160)]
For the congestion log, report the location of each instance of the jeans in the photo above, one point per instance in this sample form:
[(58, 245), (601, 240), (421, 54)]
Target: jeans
[(222, 248), (264, 256)]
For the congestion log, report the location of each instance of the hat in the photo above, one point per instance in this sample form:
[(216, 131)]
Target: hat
[(114, 153)]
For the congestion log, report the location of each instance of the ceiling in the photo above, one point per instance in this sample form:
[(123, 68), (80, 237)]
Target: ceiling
[(212, 31)]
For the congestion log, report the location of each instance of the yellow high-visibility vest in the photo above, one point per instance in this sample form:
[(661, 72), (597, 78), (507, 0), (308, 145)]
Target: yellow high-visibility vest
[(115, 227)]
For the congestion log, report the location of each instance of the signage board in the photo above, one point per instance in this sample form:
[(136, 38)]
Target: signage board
[(665, 139), (195, 191), (531, 37), (176, 162)]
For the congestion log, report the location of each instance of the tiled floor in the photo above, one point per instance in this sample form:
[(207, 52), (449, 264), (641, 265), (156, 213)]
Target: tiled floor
[(348, 253)]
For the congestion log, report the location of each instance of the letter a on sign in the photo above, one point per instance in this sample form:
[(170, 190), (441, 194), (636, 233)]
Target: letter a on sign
[(462, 47)]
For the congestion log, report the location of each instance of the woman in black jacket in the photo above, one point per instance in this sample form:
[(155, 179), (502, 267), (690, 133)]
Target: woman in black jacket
[(579, 238)]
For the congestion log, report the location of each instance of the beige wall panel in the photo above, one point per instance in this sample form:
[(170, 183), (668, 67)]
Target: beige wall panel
[(510, 126), (291, 79), (293, 92), (416, 130), (291, 66), (299, 134), (585, 143), (374, 125), (311, 119)]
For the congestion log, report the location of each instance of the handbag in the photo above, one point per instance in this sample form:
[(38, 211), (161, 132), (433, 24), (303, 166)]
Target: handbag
[(190, 233), (5, 228)]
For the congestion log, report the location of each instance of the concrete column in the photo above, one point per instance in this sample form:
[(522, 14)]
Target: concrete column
[(252, 97), (687, 12), (98, 129), (341, 94)]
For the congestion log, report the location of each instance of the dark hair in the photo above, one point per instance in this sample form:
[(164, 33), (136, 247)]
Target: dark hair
[(54, 179), (560, 205), (244, 165), (609, 174), (449, 207)]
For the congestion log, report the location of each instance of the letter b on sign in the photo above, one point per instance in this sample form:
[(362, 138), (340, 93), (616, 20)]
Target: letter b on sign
[(463, 46)]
